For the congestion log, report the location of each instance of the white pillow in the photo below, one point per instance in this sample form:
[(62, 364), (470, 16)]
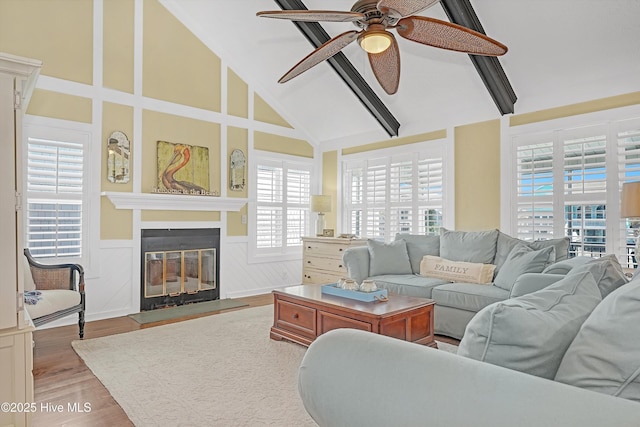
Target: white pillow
[(605, 355), (531, 333), (456, 271)]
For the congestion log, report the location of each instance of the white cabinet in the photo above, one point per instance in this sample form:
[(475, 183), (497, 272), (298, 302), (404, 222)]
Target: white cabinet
[(322, 258), (17, 79)]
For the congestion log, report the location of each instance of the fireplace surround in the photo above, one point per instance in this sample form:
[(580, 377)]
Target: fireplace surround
[(179, 266)]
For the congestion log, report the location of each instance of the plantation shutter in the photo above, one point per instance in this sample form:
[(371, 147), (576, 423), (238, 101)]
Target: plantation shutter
[(54, 175), (628, 142), (376, 199), (429, 195), (298, 199)]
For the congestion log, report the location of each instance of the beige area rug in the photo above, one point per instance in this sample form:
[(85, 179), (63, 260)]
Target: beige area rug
[(220, 370)]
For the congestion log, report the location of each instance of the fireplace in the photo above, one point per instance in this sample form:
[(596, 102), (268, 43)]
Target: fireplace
[(179, 266)]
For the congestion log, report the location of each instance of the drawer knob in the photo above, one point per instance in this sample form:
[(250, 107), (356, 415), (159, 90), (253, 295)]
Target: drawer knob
[(340, 266), (340, 250), (296, 315)]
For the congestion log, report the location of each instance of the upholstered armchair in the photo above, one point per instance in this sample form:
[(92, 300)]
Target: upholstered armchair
[(53, 291)]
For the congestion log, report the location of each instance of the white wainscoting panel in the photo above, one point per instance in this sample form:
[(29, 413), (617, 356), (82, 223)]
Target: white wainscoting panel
[(238, 278)]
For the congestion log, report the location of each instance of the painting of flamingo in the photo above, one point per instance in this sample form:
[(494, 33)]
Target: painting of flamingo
[(182, 168)]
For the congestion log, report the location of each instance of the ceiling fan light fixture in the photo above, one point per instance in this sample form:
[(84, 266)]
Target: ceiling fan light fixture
[(375, 41)]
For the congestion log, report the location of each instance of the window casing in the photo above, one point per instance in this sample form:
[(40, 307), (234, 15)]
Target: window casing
[(282, 216), (398, 193), (56, 192), (567, 182)]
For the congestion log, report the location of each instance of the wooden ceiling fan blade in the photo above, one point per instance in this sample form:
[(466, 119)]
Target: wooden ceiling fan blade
[(445, 35), (312, 15), (322, 53), (402, 8), (386, 67)]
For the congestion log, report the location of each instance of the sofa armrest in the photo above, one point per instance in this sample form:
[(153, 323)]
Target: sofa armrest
[(531, 282), (356, 260), (355, 378)]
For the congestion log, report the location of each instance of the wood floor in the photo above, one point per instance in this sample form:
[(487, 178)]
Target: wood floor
[(61, 377)]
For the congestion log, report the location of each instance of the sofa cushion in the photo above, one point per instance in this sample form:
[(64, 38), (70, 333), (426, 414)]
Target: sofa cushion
[(607, 272), (563, 267), (605, 355), (469, 246), (388, 258), (506, 244), (456, 271), (467, 296), (53, 300), (531, 333), (521, 260), (408, 284), (418, 246)]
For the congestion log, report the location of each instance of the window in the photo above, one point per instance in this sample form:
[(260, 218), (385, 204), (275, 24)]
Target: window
[(568, 183), (283, 190), (401, 193), (55, 183)]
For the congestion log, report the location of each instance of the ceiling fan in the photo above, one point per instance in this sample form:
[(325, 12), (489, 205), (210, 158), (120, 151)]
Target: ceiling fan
[(375, 18)]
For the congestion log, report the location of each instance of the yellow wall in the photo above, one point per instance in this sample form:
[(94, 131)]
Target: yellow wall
[(60, 106), (429, 136), (177, 67), (264, 113), (117, 52), (330, 187), (115, 223), (237, 138), (57, 32), (281, 144), (237, 95), (477, 176)]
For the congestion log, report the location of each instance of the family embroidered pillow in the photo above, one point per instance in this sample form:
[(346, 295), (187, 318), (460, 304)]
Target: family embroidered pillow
[(456, 271)]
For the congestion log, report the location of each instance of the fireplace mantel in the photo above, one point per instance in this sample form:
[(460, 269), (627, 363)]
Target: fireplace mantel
[(173, 202)]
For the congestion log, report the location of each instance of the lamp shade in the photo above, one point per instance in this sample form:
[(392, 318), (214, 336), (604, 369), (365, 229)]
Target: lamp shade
[(630, 200), (320, 203)]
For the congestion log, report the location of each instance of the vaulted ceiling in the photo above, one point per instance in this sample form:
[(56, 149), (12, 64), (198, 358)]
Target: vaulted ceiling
[(560, 52)]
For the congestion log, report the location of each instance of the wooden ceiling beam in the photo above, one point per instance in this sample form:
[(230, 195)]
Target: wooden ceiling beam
[(491, 72)]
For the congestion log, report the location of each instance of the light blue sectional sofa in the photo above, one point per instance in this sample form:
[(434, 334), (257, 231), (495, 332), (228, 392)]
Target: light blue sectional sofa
[(567, 355), (396, 267)]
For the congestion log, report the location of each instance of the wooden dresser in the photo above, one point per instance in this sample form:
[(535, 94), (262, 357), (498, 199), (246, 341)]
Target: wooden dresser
[(322, 258)]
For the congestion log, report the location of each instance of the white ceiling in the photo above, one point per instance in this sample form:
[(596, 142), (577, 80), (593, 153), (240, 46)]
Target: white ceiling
[(560, 52)]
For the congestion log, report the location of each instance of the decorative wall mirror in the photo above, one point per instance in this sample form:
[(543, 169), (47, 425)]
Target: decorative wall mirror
[(237, 164), (119, 150)]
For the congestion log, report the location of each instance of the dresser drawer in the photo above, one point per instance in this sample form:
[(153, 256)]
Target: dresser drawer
[(324, 249), (296, 318), (330, 264), (311, 276)]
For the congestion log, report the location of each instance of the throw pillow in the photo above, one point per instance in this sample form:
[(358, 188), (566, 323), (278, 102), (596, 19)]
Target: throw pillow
[(607, 272), (468, 246), (418, 246), (456, 271), (531, 333), (605, 355), (391, 258), (506, 244), (521, 260)]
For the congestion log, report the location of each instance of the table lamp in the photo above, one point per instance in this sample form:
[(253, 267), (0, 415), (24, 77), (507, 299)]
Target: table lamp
[(320, 204), (630, 208)]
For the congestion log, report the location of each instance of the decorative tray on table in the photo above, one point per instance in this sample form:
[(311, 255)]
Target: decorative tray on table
[(379, 295)]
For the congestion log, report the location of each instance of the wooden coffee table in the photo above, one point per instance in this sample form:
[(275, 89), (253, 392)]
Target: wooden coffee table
[(302, 313)]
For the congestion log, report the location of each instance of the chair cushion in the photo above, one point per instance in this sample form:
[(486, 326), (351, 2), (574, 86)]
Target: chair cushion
[(607, 272), (467, 296), (521, 260), (419, 246), (605, 355), (52, 301), (531, 333), (388, 258), (468, 246)]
